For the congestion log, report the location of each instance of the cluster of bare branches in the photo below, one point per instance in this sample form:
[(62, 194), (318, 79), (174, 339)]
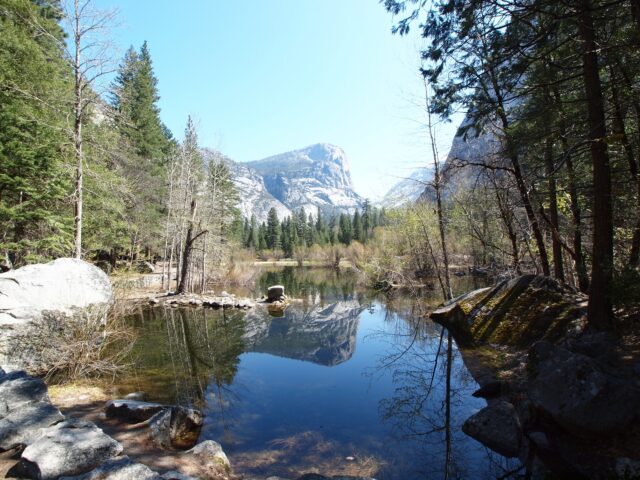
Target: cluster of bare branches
[(201, 206)]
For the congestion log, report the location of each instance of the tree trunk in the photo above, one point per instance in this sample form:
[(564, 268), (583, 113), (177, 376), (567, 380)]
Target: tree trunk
[(600, 309), (77, 133), (182, 285), (620, 129), (558, 267), (576, 214), (448, 294), (512, 155)]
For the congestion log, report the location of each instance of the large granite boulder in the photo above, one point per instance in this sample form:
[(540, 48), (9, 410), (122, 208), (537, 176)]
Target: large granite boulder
[(69, 448), (29, 296), (17, 389), (133, 411), (23, 425), (64, 285), (515, 313), (497, 426)]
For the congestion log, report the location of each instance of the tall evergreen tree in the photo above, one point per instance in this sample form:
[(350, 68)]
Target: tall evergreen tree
[(358, 232), (33, 88), (273, 229)]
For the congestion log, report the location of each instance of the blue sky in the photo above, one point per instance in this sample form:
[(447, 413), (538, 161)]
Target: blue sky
[(262, 77)]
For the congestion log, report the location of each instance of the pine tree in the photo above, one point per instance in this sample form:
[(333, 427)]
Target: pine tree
[(345, 234), (262, 237), (254, 238), (33, 86), (147, 133), (273, 229), (358, 232), (366, 220)]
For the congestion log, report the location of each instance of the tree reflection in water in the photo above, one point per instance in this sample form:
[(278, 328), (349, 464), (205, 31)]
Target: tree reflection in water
[(430, 400), (185, 351)]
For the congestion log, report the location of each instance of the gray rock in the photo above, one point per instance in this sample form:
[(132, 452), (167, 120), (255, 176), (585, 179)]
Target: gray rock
[(23, 425), (59, 286), (17, 389), (140, 396), (577, 392), (145, 267), (208, 458), (64, 288), (497, 426), (275, 293), (173, 475), (540, 440), (627, 468), (133, 411), (69, 448), (120, 468), (176, 427)]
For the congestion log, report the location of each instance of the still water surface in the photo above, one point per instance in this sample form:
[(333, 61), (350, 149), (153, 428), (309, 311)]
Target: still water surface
[(345, 383)]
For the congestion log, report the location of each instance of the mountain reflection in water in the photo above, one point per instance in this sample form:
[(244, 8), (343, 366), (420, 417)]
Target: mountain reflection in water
[(345, 383)]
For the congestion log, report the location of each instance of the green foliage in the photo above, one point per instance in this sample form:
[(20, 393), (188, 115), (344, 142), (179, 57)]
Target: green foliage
[(34, 185)]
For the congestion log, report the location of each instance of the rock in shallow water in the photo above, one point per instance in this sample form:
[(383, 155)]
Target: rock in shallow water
[(497, 426), (275, 293), (176, 427), (69, 448), (132, 410)]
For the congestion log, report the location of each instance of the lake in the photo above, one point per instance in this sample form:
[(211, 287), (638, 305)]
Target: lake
[(346, 382)]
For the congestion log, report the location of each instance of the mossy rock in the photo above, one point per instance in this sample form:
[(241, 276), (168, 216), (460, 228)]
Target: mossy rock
[(515, 313)]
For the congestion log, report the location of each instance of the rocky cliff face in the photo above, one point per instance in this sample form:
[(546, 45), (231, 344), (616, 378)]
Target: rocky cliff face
[(468, 150), (408, 189), (313, 177)]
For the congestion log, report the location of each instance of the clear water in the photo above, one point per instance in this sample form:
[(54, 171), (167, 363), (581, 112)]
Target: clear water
[(345, 383)]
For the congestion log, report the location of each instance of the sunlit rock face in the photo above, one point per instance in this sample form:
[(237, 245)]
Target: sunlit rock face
[(255, 199), (314, 177), (322, 334), (408, 189)]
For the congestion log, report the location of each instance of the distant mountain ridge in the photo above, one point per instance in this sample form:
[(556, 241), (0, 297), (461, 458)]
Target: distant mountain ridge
[(313, 177)]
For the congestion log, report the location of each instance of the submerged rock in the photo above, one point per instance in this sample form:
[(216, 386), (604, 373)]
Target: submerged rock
[(497, 426), (132, 410), (70, 448), (176, 427), (315, 476)]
